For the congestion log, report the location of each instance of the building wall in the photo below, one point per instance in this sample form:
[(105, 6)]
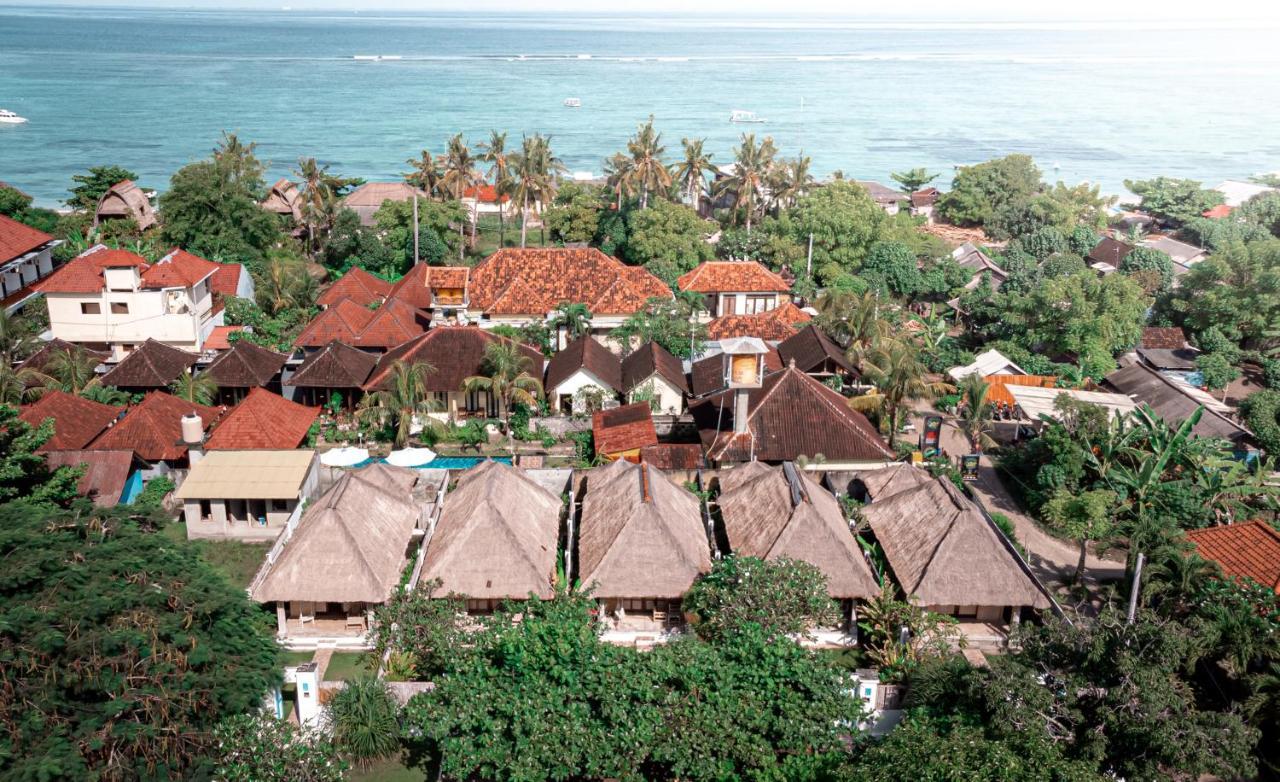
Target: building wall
[(176, 317), (22, 272), (570, 387), (736, 303), (670, 399), (234, 519)]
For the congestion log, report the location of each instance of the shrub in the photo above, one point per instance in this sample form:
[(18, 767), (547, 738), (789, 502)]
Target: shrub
[(364, 718)]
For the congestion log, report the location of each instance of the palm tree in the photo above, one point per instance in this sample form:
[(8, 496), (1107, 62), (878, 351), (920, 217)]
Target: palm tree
[(460, 175), (494, 152), (197, 389), (691, 172), (507, 379), (648, 172), (895, 369), (73, 370), (853, 320), (975, 412), (534, 170), (16, 341), (321, 196), (19, 385), (748, 182), (285, 284), (790, 181), (617, 171), (574, 318), (425, 174), (405, 400)]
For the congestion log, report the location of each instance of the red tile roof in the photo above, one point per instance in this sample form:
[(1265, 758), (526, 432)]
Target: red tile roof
[(488, 194), (341, 322), (393, 323), (455, 353), (625, 428), (178, 269), (263, 421), (218, 339), (673, 456), (925, 197), (1163, 338), (1248, 550), (535, 281), (1218, 212), (152, 429), (415, 287), (358, 285), (105, 473), (732, 276), (650, 359), (17, 239), (152, 364), (226, 279), (776, 324), (83, 274), (76, 420), (789, 416)]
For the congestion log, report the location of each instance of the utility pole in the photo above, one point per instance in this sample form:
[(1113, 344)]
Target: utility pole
[(808, 269), (1133, 590), (415, 229)]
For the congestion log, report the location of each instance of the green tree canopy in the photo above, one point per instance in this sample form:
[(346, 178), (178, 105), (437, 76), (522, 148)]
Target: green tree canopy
[(92, 185), (1173, 200), (668, 239), (669, 322), (979, 191), (892, 265), (779, 596), (575, 215), (844, 223), (1156, 265), (1236, 290), (23, 472)]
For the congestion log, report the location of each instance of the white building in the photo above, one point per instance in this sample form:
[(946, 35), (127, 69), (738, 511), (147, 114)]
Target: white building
[(246, 495), (26, 257), (113, 300)]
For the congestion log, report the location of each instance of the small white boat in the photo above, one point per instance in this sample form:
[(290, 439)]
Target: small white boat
[(748, 117), (573, 103), (377, 57), (9, 118)]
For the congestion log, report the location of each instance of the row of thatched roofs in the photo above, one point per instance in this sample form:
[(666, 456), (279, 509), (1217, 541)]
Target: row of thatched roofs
[(642, 535)]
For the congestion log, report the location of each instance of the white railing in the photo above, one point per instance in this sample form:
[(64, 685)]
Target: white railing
[(276, 548)]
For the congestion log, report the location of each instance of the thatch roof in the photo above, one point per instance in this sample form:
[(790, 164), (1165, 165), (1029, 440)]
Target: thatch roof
[(284, 200), (152, 364), (350, 545), (881, 483), (944, 551), (496, 537), (782, 513), (337, 365), (126, 200), (640, 534), (245, 365)]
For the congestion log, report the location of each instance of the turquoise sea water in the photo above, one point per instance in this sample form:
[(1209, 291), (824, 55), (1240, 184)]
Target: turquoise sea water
[(152, 90)]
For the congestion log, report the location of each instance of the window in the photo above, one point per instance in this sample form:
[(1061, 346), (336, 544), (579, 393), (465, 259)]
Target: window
[(279, 505), (758, 304), (119, 308), (90, 308), (729, 305)]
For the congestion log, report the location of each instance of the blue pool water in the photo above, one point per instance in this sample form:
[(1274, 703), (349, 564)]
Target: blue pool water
[(444, 462)]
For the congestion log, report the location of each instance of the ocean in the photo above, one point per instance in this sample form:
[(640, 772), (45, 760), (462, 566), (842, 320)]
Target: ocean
[(152, 90)]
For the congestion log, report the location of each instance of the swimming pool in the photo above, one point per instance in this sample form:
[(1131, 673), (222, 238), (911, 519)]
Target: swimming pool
[(443, 462)]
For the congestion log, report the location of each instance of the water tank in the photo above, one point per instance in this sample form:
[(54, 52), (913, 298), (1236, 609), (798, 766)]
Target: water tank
[(192, 429)]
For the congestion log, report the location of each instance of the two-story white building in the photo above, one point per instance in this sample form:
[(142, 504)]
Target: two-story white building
[(736, 288), (113, 300), (26, 256)]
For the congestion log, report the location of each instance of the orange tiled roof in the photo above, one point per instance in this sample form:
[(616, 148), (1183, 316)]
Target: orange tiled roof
[(341, 322), (178, 269), (997, 393), (416, 286), (1218, 212), (263, 421), (535, 281), (226, 280), (17, 239), (776, 324), (153, 428), (218, 338), (392, 324), (488, 194), (76, 420), (83, 274), (732, 276), (625, 428), (1248, 550), (358, 285)]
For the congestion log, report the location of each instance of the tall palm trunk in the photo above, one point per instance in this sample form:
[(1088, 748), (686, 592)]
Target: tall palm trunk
[(524, 221), (475, 218), (462, 240)]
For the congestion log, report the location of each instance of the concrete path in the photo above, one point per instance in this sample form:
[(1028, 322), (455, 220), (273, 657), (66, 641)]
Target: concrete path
[(321, 659)]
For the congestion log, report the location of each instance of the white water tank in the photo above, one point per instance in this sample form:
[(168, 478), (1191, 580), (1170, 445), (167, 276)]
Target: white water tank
[(192, 429)]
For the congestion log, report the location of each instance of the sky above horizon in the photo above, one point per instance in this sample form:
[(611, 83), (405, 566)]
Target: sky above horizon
[(921, 10)]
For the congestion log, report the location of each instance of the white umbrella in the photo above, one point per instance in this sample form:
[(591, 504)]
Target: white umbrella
[(411, 457), (344, 457)]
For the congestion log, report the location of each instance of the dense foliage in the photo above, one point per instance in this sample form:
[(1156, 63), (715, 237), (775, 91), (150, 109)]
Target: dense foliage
[(781, 597)]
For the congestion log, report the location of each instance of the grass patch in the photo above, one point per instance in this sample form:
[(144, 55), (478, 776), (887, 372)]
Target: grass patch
[(236, 560), (296, 658), (849, 659), (389, 770), (346, 665)]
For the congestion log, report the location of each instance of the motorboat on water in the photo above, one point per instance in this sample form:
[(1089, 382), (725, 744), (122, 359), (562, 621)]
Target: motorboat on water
[(377, 57), (9, 118), (745, 117), (573, 103)]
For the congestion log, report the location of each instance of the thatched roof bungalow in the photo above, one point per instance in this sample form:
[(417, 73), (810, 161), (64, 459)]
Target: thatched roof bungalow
[(284, 200), (125, 201), (496, 538), (782, 513)]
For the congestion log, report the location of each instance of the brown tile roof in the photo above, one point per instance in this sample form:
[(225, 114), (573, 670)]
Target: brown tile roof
[(776, 324), (1109, 251), (925, 197), (358, 285), (732, 276), (219, 338), (17, 239), (789, 416), (366, 199), (1248, 550), (336, 365), (105, 473), (810, 348), (393, 323), (342, 322), (152, 429), (245, 365), (650, 359), (83, 274), (263, 421), (40, 359), (226, 279), (151, 365), (673, 456), (1163, 338), (585, 353), (455, 353), (76, 420), (707, 375), (624, 428), (178, 269), (415, 287), (535, 281)]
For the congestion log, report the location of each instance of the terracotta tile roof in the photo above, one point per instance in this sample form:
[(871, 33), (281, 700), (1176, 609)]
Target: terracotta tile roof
[(650, 359), (358, 285), (263, 421), (17, 239), (219, 338), (245, 365), (105, 473), (151, 365), (83, 274), (789, 416), (152, 429), (226, 279), (625, 428), (535, 281), (336, 365), (392, 324), (1163, 338), (811, 348), (40, 359), (925, 197), (455, 353), (776, 324), (418, 285), (1109, 251), (1248, 550), (732, 276), (488, 194), (585, 353), (1218, 212), (76, 420), (342, 322), (178, 269), (673, 456), (706, 376)]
